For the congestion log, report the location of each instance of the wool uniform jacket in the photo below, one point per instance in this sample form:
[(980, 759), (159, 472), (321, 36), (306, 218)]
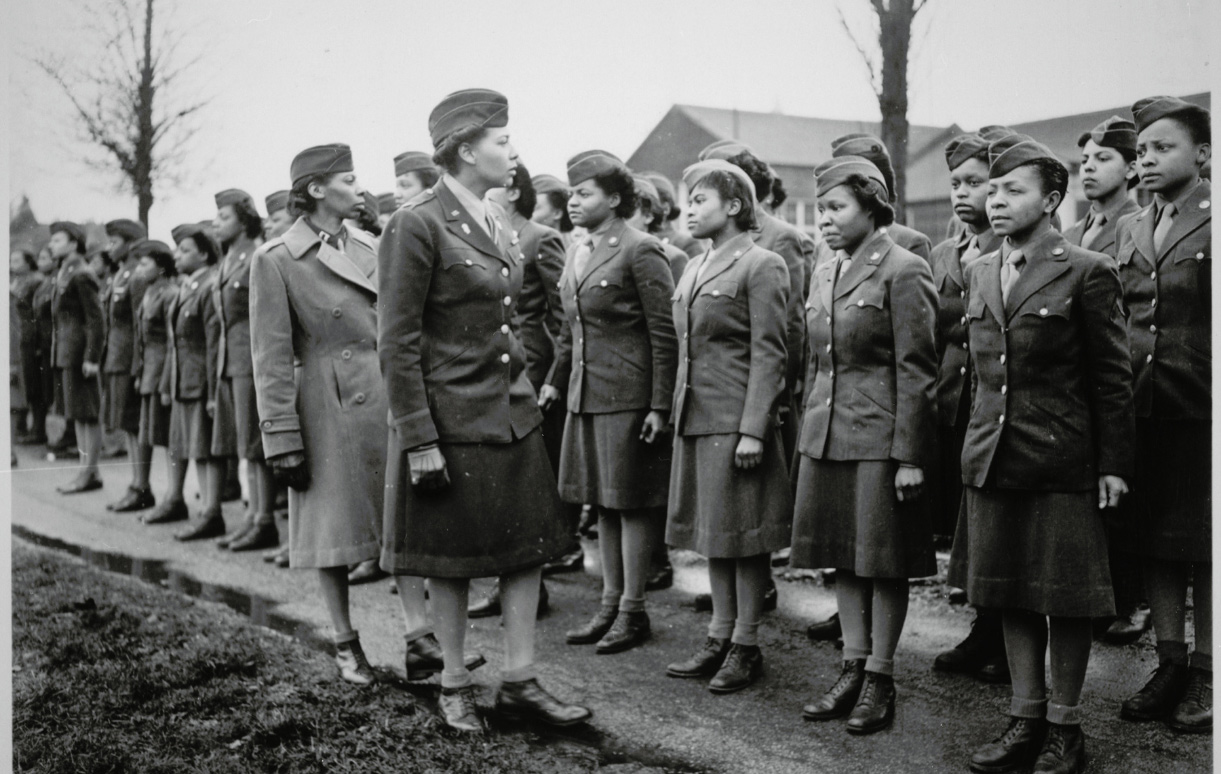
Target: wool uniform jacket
[(42, 310), (152, 335), (911, 240), (77, 336), (797, 250), (670, 235), (871, 385), (616, 350), (678, 261), (1105, 242), (454, 368), (1168, 297), (539, 313), (1051, 377), (731, 331), (231, 298), (953, 352), (121, 306), (193, 329), (22, 295)]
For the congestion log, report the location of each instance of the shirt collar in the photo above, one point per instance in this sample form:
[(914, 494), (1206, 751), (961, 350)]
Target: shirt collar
[(737, 244), (595, 236), (1161, 202), (473, 204), (1110, 212), (330, 239)]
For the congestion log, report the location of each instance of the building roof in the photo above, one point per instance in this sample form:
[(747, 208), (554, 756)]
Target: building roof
[(1060, 133)]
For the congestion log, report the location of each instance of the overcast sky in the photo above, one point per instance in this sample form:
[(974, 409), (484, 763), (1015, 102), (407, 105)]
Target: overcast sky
[(286, 74)]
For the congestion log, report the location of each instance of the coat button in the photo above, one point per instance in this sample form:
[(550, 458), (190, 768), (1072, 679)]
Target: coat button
[(1002, 359), (1153, 303), (504, 329), (963, 370), (963, 321), (828, 319), (686, 336), (1199, 256), (194, 285), (809, 306), (581, 341), (964, 345), (716, 293), (582, 363), (860, 303), (1153, 329), (1153, 275), (504, 272), (828, 401), (1058, 251), (962, 294), (1001, 420), (346, 354), (469, 262), (1149, 358), (336, 313), (828, 347), (1043, 311), (504, 358), (602, 283), (508, 300), (267, 424), (360, 397), (1004, 389)]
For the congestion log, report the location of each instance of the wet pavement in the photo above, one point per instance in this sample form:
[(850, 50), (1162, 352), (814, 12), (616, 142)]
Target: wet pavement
[(641, 716)]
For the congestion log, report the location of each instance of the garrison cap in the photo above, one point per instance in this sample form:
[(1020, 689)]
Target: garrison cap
[(185, 230), (646, 190), (1009, 153), (276, 202), (321, 160), (665, 189), (693, 174), (724, 150), (966, 146), (468, 107), (232, 196), (591, 163), (412, 161), (993, 132), (73, 230), (836, 172), (1115, 132), (126, 228), (1151, 109), (545, 184), (150, 247), (385, 204), (870, 148)]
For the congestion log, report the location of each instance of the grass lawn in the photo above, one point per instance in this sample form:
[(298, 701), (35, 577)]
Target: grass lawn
[(114, 675)]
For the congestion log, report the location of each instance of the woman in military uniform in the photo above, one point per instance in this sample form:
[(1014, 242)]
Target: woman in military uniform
[(730, 497), (158, 273), (872, 150), (471, 489), (1048, 445), (616, 355), (278, 216), (414, 173), (27, 280)]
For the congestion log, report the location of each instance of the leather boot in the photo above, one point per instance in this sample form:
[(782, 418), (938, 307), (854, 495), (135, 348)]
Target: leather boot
[(1063, 751), (705, 663), (628, 631), (875, 707), (209, 525), (459, 709), (995, 670), (743, 666), (1194, 714), (1127, 629), (85, 482), (425, 659), (572, 562), (1160, 695), (169, 511), (983, 643), (825, 631), (134, 500), (1015, 749), (841, 697), (596, 628), (263, 535), (528, 700), (353, 666), (282, 559), (229, 538), (771, 597), (488, 606), (662, 579)]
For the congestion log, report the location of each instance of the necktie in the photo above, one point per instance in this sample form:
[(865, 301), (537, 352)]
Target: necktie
[(1093, 228), (1010, 272), (1165, 220), (971, 253), (845, 263), (490, 225), (581, 258)]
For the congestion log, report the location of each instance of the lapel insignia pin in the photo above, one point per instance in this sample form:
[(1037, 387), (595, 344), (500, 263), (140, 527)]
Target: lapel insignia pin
[(454, 213), (873, 258), (466, 229), (1058, 251)]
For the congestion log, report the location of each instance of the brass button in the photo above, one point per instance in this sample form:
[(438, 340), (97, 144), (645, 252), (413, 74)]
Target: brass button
[(266, 424), (336, 313), (1153, 303), (964, 320), (1153, 275), (469, 262), (582, 363), (828, 347), (828, 320), (347, 354), (1043, 311), (828, 401), (504, 329), (963, 370), (508, 300), (964, 345), (602, 283), (1002, 359), (1004, 389), (861, 302), (1001, 420), (360, 397), (1149, 358), (1153, 329), (504, 358), (504, 272), (716, 293)]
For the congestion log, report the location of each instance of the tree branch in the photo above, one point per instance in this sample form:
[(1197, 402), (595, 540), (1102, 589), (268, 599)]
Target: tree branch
[(871, 65)]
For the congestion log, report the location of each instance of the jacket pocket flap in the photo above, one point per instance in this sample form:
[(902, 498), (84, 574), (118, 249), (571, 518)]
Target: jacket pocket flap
[(872, 295), (460, 256), (1044, 305), (720, 289)]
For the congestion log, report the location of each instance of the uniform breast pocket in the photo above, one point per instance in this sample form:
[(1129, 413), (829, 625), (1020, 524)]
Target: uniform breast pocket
[(1194, 248), (608, 282), (1048, 307), (724, 291), (1124, 256), (866, 299), (975, 308), (459, 258)]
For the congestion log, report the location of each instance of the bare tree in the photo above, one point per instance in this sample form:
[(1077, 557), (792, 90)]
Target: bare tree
[(125, 100), (885, 57)]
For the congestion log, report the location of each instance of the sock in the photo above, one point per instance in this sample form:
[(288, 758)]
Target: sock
[(1202, 660), (880, 665), (610, 597), (631, 605), (416, 634), (343, 638), (855, 654), (519, 675), (1027, 708), (720, 628), (745, 633), (459, 678), (1169, 651), (1063, 715)]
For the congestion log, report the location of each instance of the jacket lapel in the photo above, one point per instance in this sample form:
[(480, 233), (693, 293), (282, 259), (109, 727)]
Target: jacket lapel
[(733, 250), (989, 286), (868, 256), (343, 266), (1142, 235), (1195, 211), (1046, 260), (686, 283), (461, 225), (608, 247), (826, 283)]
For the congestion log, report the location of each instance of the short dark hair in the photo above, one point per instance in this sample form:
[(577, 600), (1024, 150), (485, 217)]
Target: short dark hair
[(729, 186), (619, 181), (28, 256), (299, 200), (252, 224), (165, 262), (367, 220), (756, 170), (428, 176), (872, 197), (559, 201), (206, 245), (526, 196), (1053, 176), (1198, 124), (778, 192), (446, 156)]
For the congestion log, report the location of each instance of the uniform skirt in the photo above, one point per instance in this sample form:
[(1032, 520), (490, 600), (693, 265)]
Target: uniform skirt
[(605, 463), (236, 432), (725, 512), (847, 516), (946, 490), (1168, 514), (190, 431), (499, 514), (79, 395), (1045, 552), (121, 404), (154, 421)]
